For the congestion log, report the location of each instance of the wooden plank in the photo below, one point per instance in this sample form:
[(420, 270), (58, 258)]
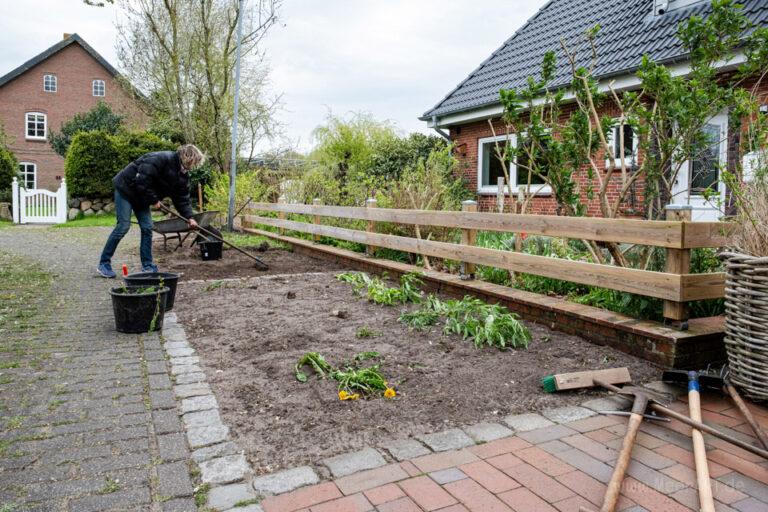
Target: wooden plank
[(703, 286), (586, 379), (642, 282), (645, 232), (706, 234)]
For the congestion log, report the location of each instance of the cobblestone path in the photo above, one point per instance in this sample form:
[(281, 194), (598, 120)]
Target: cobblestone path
[(84, 409)]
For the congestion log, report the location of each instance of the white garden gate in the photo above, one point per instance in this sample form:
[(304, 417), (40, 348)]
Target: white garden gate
[(39, 205)]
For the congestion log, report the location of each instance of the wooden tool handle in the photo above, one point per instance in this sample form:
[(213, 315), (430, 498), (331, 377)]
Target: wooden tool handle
[(706, 502), (613, 492), (736, 397)]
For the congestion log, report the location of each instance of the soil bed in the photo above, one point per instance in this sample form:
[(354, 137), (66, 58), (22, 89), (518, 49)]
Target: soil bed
[(251, 332), (188, 263)]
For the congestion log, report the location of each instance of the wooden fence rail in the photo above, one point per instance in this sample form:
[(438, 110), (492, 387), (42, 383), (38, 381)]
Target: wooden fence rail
[(675, 286)]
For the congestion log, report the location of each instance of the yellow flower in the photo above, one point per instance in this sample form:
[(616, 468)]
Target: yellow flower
[(343, 395), (390, 393)]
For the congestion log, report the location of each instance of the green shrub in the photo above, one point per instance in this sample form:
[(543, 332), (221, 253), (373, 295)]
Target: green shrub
[(92, 161), (99, 118), (248, 184), (9, 168), (94, 158)]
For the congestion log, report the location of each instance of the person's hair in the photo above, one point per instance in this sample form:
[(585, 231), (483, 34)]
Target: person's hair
[(190, 156)]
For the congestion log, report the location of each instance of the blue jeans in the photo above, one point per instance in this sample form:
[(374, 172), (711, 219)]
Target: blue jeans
[(123, 212)]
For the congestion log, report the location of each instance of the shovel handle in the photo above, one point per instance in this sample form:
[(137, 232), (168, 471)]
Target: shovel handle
[(706, 502), (613, 492)]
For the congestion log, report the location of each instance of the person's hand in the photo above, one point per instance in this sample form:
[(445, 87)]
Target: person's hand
[(158, 205), (192, 224)]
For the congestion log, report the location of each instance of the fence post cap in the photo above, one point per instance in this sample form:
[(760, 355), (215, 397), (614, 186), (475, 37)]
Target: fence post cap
[(15, 179), (678, 207), (469, 202), (370, 200)]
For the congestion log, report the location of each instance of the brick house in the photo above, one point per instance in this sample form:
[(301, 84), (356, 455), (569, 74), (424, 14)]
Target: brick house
[(48, 90), (629, 30)]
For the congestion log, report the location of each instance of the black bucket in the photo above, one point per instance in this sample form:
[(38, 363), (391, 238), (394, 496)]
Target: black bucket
[(138, 308), (169, 279), (210, 250)]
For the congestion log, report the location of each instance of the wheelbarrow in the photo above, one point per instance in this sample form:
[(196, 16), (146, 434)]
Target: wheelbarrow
[(177, 229)]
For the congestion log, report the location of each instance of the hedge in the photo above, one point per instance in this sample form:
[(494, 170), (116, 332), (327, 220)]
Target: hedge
[(94, 158), (9, 168)]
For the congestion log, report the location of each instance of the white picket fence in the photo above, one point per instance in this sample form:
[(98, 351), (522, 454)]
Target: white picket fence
[(39, 205)]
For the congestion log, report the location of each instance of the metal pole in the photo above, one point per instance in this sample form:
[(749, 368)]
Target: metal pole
[(233, 158)]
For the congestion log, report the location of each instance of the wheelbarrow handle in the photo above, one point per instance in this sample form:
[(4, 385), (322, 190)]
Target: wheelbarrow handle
[(259, 263)]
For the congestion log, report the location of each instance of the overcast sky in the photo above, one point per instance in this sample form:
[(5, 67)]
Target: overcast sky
[(392, 58)]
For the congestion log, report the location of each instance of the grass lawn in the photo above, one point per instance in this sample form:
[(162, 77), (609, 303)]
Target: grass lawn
[(5, 223), (95, 221), (249, 240)]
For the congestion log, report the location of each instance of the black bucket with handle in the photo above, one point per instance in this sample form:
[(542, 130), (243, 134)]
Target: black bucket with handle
[(168, 279)]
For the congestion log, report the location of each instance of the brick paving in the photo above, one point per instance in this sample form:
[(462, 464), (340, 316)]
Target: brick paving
[(558, 467), (88, 416)]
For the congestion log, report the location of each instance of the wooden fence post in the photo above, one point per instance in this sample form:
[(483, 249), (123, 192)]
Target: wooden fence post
[(370, 250), (676, 314), (281, 215), (468, 237), (316, 218)]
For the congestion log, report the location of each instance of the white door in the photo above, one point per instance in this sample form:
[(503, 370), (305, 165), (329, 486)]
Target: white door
[(702, 173)]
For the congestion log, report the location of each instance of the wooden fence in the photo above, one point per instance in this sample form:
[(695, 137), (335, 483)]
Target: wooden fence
[(675, 285)]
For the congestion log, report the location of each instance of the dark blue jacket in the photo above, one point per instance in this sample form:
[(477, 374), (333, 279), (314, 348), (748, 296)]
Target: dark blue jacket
[(153, 177)]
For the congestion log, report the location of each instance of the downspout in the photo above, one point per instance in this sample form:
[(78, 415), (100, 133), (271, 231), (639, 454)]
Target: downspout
[(440, 132)]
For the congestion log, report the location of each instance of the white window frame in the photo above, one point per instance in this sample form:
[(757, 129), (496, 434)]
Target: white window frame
[(26, 126), (536, 189), (50, 80), (24, 173), (103, 85), (630, 158)]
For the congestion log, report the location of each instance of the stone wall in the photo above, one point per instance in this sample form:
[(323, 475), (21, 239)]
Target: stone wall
[(88, 207)]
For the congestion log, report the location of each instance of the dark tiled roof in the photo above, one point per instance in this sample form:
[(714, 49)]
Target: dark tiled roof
[(37, 59), (628, 31)]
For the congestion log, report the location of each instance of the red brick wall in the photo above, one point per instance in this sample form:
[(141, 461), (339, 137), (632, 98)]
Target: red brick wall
[(75, 70), (466, 138)]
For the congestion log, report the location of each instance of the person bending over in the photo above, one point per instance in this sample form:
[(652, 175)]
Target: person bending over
[(142, 184)]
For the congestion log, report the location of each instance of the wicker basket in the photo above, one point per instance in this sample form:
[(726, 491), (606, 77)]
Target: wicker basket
[(746, 322)]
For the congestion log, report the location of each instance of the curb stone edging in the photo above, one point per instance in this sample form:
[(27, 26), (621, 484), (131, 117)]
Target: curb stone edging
[(224, 466)]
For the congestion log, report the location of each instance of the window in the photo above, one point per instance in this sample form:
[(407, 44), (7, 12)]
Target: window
[(630, 146), (490, 168), (36, 128), (705, 164), (524, 173), (49, 83), (28, 172), (98, 87)]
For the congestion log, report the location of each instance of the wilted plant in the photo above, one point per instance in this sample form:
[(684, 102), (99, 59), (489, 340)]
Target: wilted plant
[(485, 324)]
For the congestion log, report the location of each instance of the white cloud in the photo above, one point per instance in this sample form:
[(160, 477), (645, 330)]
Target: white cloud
[(393, 58)]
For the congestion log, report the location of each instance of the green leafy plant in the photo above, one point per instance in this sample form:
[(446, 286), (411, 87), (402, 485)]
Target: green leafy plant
[(367, 381), (420, 319), (99, 118), (377, 290), (316, 361), (367, 332), (485, 324)]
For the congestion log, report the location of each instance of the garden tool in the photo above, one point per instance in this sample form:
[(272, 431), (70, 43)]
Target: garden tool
[(666, 411), (706, 501), (719, 382), (641, 399), (578, 380), (259, 264), (651, 416)]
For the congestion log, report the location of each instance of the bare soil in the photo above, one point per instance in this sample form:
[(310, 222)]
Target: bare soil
[(251, 332), (187, 261)]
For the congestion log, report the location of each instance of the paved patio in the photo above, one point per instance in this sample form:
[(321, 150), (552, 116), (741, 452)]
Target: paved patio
[(559, 467)]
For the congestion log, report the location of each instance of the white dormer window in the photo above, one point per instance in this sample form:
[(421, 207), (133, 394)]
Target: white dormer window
[(36, 123), (662, 6), (98, 87), (49, 83)]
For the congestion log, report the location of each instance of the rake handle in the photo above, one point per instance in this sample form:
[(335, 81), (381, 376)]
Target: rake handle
[(259, 263), (688, 421), (736, 397), (706, 502), (613, 491)]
